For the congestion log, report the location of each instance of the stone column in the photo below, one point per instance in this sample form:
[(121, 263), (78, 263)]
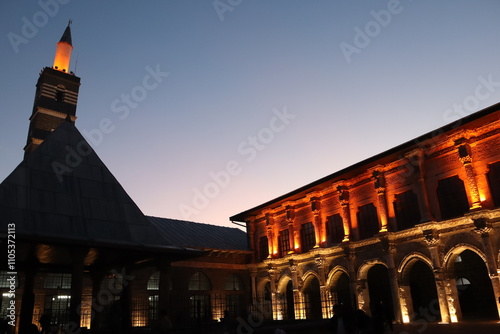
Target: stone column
[(272, 243), (393, 280), (406, 303), (444, 295), (317, 221), (345, 212), (357, 297), (416, 160), (253, 277), (274, 293), (465, 157), (325, 302), (290, 215), (298, 297), (379, 182), (252, 230)]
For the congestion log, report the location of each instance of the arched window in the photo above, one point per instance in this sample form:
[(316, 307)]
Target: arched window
[(154, 281), (234, 283), (199, 282)]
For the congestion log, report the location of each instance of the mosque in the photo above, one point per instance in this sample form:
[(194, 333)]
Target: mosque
[(414, 229)]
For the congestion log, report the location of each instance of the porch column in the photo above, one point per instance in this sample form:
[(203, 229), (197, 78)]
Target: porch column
[(77, 257), (28, 298)]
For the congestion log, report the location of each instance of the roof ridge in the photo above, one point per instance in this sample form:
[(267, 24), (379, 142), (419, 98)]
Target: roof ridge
[(192, 222)]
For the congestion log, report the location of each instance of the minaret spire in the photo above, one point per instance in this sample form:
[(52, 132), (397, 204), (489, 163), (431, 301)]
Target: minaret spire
[(56, 95), (63, 51)]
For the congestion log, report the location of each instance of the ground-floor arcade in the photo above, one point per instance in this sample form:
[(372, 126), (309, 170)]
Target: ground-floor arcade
[(436, 277)]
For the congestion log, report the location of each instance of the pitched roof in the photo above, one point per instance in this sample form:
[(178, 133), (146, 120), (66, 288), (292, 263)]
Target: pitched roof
[(197, 235), (63, 192)]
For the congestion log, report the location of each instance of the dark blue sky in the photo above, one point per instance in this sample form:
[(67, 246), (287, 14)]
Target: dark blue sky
[(261, 96)]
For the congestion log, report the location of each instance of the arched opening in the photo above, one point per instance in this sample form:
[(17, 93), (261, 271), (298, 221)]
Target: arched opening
[(266, 301), (341, 291), (423, 292), (290, 306), (475, 292), (312, 298), (285, 303), (379, 288), (235, 302), (200, 286)]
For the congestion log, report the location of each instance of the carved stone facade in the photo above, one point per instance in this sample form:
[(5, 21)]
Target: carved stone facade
[(415, 229)]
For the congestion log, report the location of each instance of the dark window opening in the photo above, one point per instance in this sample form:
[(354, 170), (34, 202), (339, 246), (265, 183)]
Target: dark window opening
[(367, 221), (263, 248), (60, 96), (494, 182), (308, 237), (335, 229), (284, 242), (452, 197), (406, 210)]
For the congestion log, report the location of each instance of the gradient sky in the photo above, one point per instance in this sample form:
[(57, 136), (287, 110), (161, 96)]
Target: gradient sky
[(354, 77)]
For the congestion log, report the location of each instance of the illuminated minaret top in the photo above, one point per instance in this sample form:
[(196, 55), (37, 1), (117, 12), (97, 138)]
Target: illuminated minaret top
[(56, 95), (63, 51)]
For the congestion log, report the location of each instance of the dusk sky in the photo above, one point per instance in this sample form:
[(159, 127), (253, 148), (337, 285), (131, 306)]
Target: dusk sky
[(214, 107)]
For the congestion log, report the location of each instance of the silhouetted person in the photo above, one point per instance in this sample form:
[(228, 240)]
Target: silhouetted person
[(382, 319), (343, 320), (363, 322)]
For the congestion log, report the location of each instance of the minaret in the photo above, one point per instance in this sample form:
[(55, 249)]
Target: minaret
[(56, 95)]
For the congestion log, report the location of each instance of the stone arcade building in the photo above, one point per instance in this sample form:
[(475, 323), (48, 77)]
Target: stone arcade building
[(416, 228)]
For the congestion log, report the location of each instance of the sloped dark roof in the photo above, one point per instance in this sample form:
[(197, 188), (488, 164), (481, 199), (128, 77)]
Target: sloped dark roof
[(197, 235), (62, 191)]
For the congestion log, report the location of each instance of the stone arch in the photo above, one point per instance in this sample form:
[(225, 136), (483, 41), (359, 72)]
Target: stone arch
[(408, 261), (338, 288), (467, 272), (307, 275), (418, 294), (284, 299), (264, 297), (334, 274), (365, 267), (453, 253), (373, 286), (311, 290)]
